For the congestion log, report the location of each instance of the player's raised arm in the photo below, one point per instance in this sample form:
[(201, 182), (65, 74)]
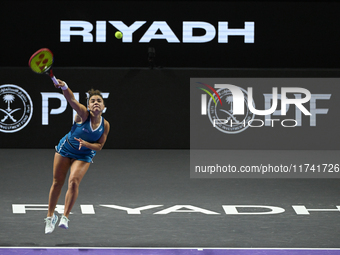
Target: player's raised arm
[(78, 107)]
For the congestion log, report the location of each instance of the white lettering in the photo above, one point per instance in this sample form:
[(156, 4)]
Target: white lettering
[(45, 106), (232, 209), (254, 120), (228, 209), (84, 29), (190, 209), (261, 112), (238, 97), (219, 121), (189, 26), (204, 104), (248, 32), (131, 210), (302, 210), (127, 31), (297, 101), (87, 209), (166, 33), (66, 30), (22, 208), (294, 125), (101, 31)]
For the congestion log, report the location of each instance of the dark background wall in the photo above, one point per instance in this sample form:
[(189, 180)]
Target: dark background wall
[(149, 108)]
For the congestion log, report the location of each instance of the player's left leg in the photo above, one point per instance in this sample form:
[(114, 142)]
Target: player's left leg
[(77, 172)]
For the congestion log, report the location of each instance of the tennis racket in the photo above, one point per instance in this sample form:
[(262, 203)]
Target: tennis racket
[(41, 62)]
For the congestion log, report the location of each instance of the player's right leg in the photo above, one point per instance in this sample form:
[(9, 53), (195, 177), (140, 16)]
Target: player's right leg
[(60, 169)]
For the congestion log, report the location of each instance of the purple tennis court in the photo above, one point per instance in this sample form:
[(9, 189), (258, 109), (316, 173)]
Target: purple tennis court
[(224, 127), (150, 202)]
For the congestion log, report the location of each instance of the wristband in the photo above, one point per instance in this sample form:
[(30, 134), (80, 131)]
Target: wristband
[(65, 87)]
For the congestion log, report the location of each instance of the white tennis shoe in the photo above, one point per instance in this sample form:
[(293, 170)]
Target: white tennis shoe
[(50, 223), (64, 222)]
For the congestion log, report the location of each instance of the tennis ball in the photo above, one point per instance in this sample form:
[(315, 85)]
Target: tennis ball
[(118, 35)]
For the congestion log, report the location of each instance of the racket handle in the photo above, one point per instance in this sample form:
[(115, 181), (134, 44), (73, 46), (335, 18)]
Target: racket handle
[(54, 79)]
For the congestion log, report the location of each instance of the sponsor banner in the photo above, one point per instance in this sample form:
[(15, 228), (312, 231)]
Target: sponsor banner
[(232, 34), (16, 107), (262, 113), (34, 114), (154, 109)]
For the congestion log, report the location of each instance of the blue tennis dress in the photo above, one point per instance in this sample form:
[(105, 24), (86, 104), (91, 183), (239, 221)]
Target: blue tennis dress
[(68, 146)]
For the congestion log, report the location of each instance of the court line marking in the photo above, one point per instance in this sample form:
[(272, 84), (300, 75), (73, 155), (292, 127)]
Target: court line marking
[(165, 248)]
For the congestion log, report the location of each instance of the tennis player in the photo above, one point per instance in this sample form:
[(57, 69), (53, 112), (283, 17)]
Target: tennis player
[(75, 152)]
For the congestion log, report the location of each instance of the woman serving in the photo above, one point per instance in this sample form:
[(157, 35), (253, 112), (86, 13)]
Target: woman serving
[(75, 152)]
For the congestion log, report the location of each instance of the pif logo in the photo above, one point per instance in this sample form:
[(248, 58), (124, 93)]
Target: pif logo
[(231, 109), (16, 108)]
